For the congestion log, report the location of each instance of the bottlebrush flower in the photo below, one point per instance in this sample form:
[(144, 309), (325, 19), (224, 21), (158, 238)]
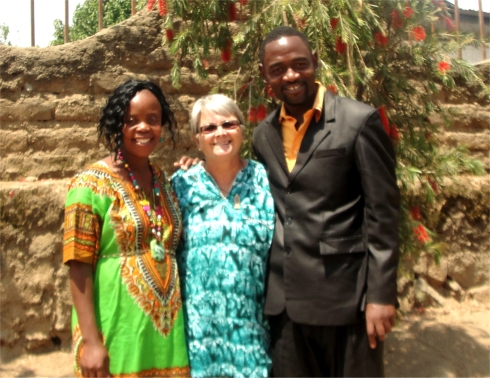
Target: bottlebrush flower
[(449, 24), (340, 46), (169, 34), (268, 90), (384, 119), (419, 33), (395, 136), (443, 67), (252, 114), (433, 185), (261, 112), (408, 12), (332, 88), (150, 4), (396, 20), (226, 52), (232, 12), (162, 7), (421, 234), (415, 213), (334, 22), (382, 39)]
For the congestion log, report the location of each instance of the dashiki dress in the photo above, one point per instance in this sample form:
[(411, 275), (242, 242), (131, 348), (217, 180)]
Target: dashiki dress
[(137, 300), (222, 261)]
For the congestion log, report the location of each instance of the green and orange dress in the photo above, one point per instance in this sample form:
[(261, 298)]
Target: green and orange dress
[(137, 300)]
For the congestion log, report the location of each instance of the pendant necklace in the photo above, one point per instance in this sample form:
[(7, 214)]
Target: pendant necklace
[(155, 215)]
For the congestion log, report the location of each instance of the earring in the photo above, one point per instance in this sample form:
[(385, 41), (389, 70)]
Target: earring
[(161, 139)]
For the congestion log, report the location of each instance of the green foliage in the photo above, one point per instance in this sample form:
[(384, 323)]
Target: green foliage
[(4, 33), (86, 22), (393, 55)]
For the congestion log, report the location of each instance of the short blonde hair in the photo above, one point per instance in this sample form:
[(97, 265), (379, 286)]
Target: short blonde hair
[(218, 104)]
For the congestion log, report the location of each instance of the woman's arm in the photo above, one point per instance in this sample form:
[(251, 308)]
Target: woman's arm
[(94, 359)]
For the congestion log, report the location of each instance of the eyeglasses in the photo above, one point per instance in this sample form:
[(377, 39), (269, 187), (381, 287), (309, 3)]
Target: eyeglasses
[(212, 128)]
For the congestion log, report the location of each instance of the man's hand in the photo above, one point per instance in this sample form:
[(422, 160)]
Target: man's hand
[(379, 320), (186, 162)]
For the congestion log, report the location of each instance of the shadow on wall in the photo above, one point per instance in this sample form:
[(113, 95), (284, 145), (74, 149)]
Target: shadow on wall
[(440, 350)]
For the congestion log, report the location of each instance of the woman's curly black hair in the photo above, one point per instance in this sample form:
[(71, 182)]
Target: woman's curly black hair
[(112, 120)]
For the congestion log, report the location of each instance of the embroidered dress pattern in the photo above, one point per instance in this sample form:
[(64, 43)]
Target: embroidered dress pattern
[(222, 260), (132, 291)]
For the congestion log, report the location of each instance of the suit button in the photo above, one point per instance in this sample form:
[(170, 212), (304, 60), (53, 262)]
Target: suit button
[(289, 221), (288, 250)]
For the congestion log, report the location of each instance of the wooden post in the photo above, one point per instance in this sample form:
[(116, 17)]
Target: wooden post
[(67, 23), (482, 35), (101, 15), (456, 16), (33, 31), (133, 7)]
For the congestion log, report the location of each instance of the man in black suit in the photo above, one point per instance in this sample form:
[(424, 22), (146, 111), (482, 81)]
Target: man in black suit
[(331, 289)]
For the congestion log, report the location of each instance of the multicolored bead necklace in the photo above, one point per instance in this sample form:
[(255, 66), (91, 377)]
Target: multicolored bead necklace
[(154, 216)]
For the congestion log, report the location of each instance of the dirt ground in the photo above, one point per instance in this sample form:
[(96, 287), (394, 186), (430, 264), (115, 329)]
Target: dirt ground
[(431, 343)]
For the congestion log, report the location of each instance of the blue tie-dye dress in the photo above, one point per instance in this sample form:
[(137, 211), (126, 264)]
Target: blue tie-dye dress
[(222, 261)]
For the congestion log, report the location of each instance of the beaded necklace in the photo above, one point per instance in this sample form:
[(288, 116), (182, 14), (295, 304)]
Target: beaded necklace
[(154, 215)]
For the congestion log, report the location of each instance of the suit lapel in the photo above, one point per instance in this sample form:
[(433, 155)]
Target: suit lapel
[(315, 134), (274, 138)]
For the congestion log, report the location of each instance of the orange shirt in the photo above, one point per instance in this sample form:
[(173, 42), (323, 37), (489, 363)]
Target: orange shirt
[(292, 138)]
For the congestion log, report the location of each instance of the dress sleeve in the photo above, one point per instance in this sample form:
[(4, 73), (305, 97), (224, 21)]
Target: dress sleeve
[(82, 225)]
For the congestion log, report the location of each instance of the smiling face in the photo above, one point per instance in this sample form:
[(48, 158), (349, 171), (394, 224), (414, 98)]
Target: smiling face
[(289, 68), (142, 125), (222, 144)]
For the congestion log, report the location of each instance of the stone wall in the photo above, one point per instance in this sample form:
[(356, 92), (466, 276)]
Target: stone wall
[(50, 101)]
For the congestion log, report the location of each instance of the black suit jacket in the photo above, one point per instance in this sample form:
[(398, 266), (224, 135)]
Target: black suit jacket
[(335, 242)]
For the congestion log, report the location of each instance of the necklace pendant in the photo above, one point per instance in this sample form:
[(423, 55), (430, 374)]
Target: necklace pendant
[(236, 202), (157, 250)]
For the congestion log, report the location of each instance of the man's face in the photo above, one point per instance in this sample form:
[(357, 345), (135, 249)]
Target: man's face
[(289, 69)]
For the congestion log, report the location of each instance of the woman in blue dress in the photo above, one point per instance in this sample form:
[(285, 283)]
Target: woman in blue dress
[(228, 214)]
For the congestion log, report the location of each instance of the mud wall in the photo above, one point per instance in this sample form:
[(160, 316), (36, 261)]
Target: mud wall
[(50, 101)]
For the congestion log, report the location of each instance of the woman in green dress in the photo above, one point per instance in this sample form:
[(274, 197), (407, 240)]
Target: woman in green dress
[(122, 226)]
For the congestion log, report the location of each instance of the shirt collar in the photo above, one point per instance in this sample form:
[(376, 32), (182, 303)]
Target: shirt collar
[(317, 104)]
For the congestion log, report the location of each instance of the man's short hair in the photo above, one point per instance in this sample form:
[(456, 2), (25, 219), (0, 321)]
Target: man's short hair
[(279, 32)]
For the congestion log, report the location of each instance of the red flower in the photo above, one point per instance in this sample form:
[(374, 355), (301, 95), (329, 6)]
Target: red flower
[(170, 35), (419, 33), (11, 193), (252, 114), (205, 64), (433, 185), (415, 213), (396, 20), (443, 67), (340, 46), (243, 2), (232, 12), (226, 52), (408, 12), (332, 88), (261, 112), (334, 22), (421, 234), (150, 4), (384, 119), (382, 39), (437, 3), (449, 24), (162, 7), (394, 133), (268, 90)]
